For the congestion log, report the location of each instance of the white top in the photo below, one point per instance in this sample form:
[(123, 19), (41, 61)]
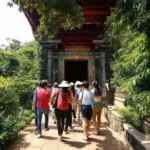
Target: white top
[(93, 91), (86, 97), (77, 91)]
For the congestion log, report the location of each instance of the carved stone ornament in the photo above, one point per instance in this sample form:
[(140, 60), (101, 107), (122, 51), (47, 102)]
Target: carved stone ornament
[(76, 57)]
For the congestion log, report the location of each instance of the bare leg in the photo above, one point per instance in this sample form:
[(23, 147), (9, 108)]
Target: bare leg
[(94, 120), (99, 121), (85, 127), (88, 127), (79, 111)]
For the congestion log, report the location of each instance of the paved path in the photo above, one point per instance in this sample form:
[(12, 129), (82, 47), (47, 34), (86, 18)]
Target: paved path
[(73, 141)]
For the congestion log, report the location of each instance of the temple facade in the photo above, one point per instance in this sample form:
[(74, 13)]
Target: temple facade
[(81, 54)]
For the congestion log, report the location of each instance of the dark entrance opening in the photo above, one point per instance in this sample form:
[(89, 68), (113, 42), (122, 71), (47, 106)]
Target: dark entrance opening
[(76, 70)]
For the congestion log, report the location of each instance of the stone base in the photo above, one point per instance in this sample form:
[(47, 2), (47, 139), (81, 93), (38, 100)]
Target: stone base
[(128, 134)]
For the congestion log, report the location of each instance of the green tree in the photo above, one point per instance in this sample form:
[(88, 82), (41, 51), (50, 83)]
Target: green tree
[(54, 15), (128, 30), (12, 45)]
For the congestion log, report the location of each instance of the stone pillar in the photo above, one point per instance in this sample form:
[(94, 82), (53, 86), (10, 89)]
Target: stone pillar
[(48, 48), (55, 70), (49, 67), (61, 67), (43, 62), (103, 71), (91, 69), (108, 65), (102, 47)]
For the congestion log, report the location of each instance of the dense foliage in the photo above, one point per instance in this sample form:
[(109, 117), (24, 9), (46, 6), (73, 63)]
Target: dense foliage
[(19, 74), (54, 15), (131, 117), (128, 29)]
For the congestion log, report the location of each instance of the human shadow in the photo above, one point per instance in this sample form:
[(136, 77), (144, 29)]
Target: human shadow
[(66, 138), (29, 130), (48, 137), (109, 143), (78, 131), (52, 127), (75, 144), (49, 126)]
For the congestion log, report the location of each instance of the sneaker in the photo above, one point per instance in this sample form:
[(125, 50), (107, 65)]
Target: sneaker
[(39, 136)]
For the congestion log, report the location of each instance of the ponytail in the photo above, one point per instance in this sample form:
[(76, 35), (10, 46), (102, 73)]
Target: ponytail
[(97, 91)]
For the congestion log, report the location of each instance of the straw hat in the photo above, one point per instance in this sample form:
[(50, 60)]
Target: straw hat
[(71, 84), (78, 83), (64, 84)]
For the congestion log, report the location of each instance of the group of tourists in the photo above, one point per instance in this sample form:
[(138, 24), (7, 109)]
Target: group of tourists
[(67, 102)]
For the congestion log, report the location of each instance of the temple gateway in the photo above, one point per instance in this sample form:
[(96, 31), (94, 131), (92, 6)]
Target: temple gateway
[(81, 54)]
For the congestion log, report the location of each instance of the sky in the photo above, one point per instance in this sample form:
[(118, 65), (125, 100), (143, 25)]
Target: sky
[(13, 24)]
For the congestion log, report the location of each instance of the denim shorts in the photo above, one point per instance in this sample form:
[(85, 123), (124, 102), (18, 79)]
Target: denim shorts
[(86, 111)]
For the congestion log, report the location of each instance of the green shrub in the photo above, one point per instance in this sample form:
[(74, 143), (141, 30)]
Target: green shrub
[(9, 101), (10, 125), (131, 117), (13, 117), (19, 74)]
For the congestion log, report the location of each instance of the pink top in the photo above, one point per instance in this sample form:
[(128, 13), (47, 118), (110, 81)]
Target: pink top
[(62, 102)]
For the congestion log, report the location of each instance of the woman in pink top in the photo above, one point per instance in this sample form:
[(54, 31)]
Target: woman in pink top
[(61, 110)]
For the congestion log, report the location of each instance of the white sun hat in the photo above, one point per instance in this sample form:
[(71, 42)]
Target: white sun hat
[(78, 83), (64, 84), (71, 84)]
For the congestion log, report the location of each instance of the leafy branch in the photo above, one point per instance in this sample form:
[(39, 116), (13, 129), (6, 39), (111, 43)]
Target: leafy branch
[(54, 15)]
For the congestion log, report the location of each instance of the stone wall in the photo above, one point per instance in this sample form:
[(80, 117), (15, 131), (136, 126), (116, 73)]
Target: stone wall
[(118, 97), (128, 134)]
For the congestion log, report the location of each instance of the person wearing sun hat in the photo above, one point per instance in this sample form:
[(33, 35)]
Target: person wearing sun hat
[(77, 87), (63, 96)]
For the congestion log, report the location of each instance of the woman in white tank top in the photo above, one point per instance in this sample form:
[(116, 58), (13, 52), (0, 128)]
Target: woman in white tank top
[(85, 99)]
